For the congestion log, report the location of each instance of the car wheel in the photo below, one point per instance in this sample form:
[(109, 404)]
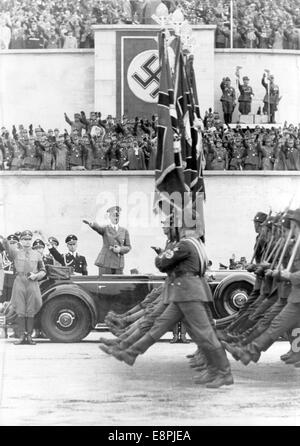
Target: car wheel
[(66, 319), (232, 299)]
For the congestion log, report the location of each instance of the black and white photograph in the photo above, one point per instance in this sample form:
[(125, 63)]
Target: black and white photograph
[(149, 215)]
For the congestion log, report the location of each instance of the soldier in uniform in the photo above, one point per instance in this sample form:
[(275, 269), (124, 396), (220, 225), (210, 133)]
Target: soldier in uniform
[(71, 258), (116, 243), (61, 153), (245, 97), (99, 154), (228, 99), (237, 153), (291, 154), (271, 99), (26, 296), (187, 294), (220, 156), (287, 319), (260, 242), (252, 159), (267, 152), (75, 153)]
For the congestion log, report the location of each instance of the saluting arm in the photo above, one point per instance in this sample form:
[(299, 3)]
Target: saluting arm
[(57, 256), (95, 226)]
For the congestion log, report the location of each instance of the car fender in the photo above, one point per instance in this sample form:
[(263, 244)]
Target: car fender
[(72, 290), (231, 278)]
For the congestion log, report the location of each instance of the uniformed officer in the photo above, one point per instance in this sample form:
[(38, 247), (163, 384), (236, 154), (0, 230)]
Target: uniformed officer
[(271, 99), (186, 296), (116, 243), (268, 156), (220, 156), (71, 258), (245, 97), (228, 99), (260, 242), (48, 258), (26, 296), (252, 159)]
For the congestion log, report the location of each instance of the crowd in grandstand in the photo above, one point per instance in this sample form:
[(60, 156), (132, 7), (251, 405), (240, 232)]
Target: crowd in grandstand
[(36, 24), (130, 144)]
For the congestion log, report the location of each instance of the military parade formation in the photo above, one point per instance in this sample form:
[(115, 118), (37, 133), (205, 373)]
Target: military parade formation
[(272, 310)]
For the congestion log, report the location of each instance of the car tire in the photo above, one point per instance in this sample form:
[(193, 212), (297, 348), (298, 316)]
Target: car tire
[(232, 298), (66, 319)]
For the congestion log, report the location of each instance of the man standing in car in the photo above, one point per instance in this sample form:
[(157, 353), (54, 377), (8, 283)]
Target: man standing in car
[(116, 243)]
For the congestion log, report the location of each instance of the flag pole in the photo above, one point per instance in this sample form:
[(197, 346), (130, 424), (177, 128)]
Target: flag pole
[(231, 24)]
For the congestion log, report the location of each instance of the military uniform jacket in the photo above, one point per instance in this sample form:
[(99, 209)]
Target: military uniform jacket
[(228, 94), (246, 93), (108, 258), (274, 93), (294, 296), (185, 269), (77, 262)]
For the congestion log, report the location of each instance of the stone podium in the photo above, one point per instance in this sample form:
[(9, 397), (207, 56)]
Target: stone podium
[(127, 69)]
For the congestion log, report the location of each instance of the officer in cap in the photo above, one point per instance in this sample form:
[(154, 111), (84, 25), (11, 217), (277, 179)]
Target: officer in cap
[(116, 243), (228, 99), (72, 259), (26, 296), (245, 97)]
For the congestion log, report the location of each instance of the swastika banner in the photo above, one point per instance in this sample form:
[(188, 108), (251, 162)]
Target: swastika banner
[(138, 73)]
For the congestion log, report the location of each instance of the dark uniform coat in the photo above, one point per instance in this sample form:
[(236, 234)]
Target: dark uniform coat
[(186, 280), (77, 262)]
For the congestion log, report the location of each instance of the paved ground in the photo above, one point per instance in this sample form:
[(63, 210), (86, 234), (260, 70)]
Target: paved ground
[(77, 384)]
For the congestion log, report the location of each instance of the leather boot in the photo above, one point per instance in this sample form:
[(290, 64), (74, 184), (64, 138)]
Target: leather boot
[(29, 329), (21, 331), (183, 337), (286, 355), (106, 348), (251, 336), (191, 355), (223, 375), (252, 351), (130, 340), (129, 356), (108, 342), (175, 335), (293, 358)]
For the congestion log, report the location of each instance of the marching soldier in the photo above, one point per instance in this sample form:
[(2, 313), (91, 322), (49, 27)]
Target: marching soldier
[(289, 317), (116, 243), (71, 258), (187, 295), (228, 99), (26, 296)]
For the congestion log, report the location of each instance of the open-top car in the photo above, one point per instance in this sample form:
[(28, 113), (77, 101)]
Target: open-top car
[(74, 305)]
